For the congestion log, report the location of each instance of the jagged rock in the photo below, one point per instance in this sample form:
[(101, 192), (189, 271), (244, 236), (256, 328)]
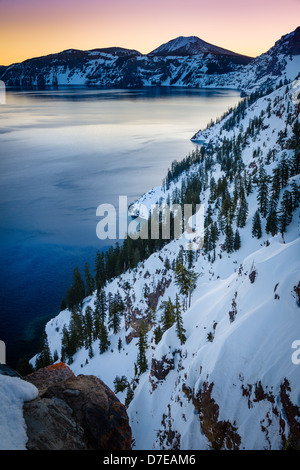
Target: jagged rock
[(52, 426), (221, 434), (136, 320), (159, 291), (159, 370), (74, 413), (137, 317)]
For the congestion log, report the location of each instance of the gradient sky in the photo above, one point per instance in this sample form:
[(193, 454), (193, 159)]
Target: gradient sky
[(31, 28)]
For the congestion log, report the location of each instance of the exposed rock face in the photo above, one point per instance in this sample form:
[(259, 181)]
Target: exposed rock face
[(74, 413), (221, 434), (159, 370), (159, 291), (137, 317)]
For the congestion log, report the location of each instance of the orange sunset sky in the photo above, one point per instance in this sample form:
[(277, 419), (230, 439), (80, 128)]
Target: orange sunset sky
[(31, 28)]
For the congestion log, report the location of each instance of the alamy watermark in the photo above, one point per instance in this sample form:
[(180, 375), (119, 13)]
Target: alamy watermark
[(296, 354), (2, 352), (2, 92), (175, 222)]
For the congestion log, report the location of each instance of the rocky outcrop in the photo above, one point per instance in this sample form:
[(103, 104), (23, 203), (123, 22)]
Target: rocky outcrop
[(222, 435), (159, 370), (137, 318), (158, 292), (74, 413)]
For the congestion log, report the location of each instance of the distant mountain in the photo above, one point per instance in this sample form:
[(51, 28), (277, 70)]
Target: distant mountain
[(191, 45), (117, 51), (184, 61)]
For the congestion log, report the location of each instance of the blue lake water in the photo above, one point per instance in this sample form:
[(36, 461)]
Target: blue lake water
[(62, 153)]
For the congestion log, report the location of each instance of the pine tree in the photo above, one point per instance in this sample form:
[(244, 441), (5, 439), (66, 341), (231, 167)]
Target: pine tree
[(236, 241), (295, 194), (65, 345), (91, 352), (275, 186), (190, 255), (208, 216), (227, 208), (101, 304), (88, 327), (242, 213), (117, 308), (89, 280), (213, 188), (192, 282), (263, 192), (168, 314), (286, 211), (272, 221), (221, 223), (214, 235), (120, 383), (207, 245), (63, 305), (179, 323), (142, 346), (44, 358), (114, 319), (96, 324), (256, 226), (186, 281), (158, 332), (129, 396), (76, 293), (76, 328), (229, 239), (284, 171), (103, 336), (109, 303)]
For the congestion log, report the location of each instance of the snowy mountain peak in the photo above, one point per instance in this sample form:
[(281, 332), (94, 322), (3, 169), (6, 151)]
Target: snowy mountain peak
[(190, 45)]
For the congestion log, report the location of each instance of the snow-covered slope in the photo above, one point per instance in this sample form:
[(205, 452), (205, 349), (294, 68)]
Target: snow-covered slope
[(234, 382), (13, 393)]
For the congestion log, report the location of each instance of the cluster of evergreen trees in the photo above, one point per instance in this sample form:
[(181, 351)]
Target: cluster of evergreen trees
[(93, 324), (278, 216), (171, 313), (234, 208)]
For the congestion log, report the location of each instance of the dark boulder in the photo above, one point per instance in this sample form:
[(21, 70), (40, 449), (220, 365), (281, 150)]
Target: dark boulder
[(74, 413)]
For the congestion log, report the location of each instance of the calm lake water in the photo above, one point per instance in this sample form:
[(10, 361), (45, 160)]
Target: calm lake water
[(62, 153)]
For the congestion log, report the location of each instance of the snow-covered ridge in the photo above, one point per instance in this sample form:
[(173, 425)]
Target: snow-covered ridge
[(233, 382), (187, 62)]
